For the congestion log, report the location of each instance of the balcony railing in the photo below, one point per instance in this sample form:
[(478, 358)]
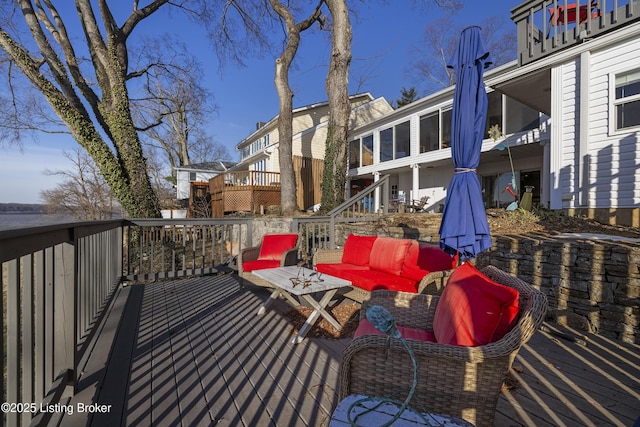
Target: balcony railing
[(548, 26), (244, 191)]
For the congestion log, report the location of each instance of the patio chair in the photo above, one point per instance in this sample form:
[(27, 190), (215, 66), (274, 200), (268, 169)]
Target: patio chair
[(418, 205), (275, 250), (457, 380)]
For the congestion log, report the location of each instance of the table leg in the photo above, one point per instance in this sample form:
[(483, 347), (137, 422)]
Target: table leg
[(319, 310), (278, 292)]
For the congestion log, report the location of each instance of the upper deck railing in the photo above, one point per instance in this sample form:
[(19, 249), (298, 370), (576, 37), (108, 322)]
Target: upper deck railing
[(548, 26)]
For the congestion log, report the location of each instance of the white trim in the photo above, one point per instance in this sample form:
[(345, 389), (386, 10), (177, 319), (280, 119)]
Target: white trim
[(613, 102)]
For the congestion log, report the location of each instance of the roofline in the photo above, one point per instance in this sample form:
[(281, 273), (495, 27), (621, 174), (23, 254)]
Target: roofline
[(252, 136)]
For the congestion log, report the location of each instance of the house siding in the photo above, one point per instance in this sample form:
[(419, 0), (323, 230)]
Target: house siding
[(614, 173)]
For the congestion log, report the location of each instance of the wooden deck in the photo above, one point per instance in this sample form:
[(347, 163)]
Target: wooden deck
[(194, 352)]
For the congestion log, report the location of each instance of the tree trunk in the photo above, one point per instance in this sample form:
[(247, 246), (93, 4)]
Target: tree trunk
[(337, 83), (288, 201)]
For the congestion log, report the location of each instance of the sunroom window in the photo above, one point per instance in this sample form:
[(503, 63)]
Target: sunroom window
[(627, 100)]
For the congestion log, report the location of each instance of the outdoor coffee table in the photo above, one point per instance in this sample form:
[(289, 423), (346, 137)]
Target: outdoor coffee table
[(373, 412), (320, 283)]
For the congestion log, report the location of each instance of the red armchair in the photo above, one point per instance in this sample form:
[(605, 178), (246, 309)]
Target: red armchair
[(276, 250)]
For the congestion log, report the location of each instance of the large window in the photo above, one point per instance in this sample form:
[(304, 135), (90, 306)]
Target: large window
[(386, 145), (354, 154), (446, 128), (627, 99), (403, 140), (494, 112), (367, 150), (429, 132), (519, 117), (361, 152)]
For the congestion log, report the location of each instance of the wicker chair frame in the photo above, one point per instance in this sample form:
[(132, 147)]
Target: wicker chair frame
[(459, 381)]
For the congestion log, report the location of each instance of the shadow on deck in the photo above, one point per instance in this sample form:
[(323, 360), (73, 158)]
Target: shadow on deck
[(194, 352)]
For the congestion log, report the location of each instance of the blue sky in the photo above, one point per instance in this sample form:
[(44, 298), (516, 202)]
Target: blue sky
[(383, 36)]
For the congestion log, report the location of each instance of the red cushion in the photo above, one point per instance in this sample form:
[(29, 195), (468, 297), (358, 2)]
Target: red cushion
[(366, 328), (338, 270), (357, 249), (388, 254), (423, 258), (473, 309), (260, 264), (274, 245), (371, 280)]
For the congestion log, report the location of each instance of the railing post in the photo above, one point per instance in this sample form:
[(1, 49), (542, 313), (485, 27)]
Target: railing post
[(65, 314)]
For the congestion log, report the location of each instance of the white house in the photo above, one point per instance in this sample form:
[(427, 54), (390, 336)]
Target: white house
[(569, 108), (199, 172), (259, 151)]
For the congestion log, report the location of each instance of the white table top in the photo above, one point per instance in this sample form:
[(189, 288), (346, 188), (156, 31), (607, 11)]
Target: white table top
[(385, 412), (281, 277)]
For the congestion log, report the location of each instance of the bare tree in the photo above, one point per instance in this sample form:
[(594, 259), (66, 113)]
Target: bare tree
[(174, 108), (337, 84), (83, 192), (429, 71), (89, 97), (288, 200)]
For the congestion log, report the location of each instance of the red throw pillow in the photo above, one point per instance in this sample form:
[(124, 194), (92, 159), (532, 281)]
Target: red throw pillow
[(473, 309), (388, 254), (357, 249), (274, 245)]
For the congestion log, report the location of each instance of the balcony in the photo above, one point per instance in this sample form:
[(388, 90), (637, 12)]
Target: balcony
[(131, 317), (549, 26), (244, 191)]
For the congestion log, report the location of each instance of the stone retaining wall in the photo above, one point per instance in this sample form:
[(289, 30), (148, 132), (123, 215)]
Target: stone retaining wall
[(592, 285)]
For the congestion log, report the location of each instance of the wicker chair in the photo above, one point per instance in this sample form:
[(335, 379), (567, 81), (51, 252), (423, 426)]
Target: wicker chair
[(454, 380), (288, 256)]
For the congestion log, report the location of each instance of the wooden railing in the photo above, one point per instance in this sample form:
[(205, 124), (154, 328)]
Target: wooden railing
[(548, 26), (244, 191), (58, 281)]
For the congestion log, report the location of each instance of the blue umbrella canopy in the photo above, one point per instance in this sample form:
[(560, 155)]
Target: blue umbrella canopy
[(464, 228)]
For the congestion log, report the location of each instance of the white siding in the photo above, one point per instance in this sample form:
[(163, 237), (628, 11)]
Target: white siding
[(614, 169)]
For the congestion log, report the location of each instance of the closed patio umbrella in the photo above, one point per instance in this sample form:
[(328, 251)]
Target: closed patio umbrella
[(464, 227)]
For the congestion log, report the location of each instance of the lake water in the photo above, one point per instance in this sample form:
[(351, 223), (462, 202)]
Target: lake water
[(22, 220)]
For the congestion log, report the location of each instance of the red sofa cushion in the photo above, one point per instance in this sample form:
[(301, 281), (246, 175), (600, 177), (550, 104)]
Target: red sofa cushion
[(371, 280), (274, 245), (473, 309), (260, 264), (388, 254), (366, 328), (357, 249), (338, 270), (423, 258)]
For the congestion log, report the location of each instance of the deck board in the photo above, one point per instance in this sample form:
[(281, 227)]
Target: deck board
[(194, 352)]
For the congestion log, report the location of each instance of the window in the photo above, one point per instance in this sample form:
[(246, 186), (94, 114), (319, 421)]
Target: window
[(403, 140), (354, 154), (192, 176), (429, 132), (386, 145), (446, 128), (519, 117), (627, 99), (367, 150), (494, 112)]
